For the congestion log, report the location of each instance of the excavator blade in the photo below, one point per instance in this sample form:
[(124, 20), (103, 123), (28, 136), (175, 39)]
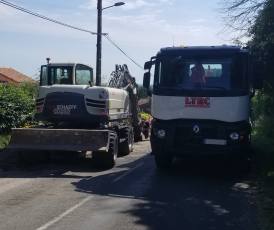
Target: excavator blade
[(59, 139)]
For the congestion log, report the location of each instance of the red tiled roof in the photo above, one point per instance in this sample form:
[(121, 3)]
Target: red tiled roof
[(14, 75)]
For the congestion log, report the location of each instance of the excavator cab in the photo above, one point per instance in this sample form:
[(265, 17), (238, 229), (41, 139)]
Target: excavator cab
[(66, 74)]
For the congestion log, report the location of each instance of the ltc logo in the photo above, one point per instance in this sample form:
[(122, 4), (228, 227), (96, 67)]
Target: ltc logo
[(198, 102)]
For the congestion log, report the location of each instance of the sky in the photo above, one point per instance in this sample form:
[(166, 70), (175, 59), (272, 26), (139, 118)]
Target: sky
[(140, 28)]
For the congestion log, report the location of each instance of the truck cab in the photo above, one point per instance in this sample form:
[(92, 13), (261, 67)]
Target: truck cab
[(200, 101)]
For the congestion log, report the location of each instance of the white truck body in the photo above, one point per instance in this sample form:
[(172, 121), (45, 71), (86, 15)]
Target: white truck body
[(227, 109)]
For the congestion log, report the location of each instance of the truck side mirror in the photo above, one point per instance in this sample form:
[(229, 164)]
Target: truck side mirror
[(148, 65), (146, 80)]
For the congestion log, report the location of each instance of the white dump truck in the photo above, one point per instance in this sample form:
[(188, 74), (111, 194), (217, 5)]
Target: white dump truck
[(201, 101)]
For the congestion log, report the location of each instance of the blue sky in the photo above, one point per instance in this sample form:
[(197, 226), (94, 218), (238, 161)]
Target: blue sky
[(141, 28)]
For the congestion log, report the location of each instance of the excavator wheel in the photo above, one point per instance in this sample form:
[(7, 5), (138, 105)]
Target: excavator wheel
[(107, 159), (126, 147)]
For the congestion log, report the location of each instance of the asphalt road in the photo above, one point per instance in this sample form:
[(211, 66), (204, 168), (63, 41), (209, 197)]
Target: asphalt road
[(69, 194)]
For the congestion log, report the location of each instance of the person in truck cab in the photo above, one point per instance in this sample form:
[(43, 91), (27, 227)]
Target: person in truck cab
[(198, 75)]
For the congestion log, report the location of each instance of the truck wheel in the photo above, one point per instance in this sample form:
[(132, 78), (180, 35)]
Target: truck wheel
[(126, 147), (137, 134), (243, 164), (107, 159), (146, 134), (163, 160)]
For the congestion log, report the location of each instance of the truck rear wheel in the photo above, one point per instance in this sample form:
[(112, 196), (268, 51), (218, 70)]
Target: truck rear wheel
[(107, 159), (126, 147), (137, 134)]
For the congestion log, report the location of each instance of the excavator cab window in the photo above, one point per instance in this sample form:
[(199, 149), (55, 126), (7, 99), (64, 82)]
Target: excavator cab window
[(63, 75), (83, 75), (43, 75), (60, 75)]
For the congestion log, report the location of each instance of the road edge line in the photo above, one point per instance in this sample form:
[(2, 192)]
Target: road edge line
[(64, 214), (127, 173)]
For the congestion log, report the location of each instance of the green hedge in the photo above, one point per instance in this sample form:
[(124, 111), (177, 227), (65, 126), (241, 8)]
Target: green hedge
[(4, 140), (17, 104), (263, 112)]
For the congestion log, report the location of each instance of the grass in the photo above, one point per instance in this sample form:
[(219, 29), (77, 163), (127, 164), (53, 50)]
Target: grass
[(4, 140)]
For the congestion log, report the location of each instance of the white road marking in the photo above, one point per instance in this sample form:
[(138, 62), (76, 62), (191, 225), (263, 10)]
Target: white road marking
[(64, 214), (127, 173), (70, 210)]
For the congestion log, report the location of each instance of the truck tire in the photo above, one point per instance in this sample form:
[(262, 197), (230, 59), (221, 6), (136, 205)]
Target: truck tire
[(243, 164), (137, 134), (146, 134), (163, 160), (107, 159), (126, 147)]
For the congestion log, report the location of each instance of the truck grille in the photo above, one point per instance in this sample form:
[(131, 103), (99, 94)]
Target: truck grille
[(186, 135)]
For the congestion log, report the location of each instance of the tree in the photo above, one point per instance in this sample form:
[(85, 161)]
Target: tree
[(255, 19), (262, 47), (142, 92), (262, 43), (240, 15)]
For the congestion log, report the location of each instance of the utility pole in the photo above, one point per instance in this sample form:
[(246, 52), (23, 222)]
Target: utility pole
[(99, 43), (99, 38)]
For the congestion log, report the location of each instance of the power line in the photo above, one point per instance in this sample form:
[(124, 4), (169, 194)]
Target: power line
[(69, 26), (46, 18), (123, 52)]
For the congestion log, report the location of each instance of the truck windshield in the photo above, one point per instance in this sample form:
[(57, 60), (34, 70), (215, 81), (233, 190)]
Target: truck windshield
[(201, 74)]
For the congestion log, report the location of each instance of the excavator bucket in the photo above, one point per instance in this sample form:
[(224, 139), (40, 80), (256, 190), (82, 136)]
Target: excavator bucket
[(59, 139)]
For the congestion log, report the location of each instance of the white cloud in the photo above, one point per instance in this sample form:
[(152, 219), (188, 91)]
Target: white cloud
[(6, 11), (132, 5), (92, 4), (140, 28)]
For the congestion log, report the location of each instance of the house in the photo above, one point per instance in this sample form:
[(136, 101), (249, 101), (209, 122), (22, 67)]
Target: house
[(10, 75)]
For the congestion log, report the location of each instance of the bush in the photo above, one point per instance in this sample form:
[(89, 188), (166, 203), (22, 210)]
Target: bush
[(145, 116), (4, 140), (262, 48), (17, 104), (263, 112)]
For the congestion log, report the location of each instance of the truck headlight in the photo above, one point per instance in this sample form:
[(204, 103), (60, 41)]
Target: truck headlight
[(161, 133), (234, 136)]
